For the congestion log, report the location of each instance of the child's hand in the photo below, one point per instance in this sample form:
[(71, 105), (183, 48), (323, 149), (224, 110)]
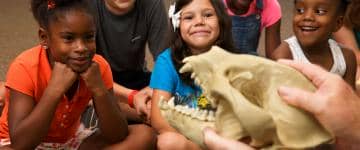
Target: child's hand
[(93, 80), (140, 103), (62, 77)]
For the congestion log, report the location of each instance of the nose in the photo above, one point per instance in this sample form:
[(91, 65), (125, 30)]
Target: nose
[(80, 46), (308, 15), (200, 20)]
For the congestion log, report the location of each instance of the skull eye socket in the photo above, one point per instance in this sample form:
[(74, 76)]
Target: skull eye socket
[(251, 88)]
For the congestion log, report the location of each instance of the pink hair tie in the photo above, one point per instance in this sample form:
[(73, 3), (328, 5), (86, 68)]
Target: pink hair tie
[(50, 4)]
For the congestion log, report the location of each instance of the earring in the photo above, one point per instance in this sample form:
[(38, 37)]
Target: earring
[(45, 47)]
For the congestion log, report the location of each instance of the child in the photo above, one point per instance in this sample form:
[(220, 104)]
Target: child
[(49, 86), (313, 23), (198, 25), (349, 34), (249, 18)]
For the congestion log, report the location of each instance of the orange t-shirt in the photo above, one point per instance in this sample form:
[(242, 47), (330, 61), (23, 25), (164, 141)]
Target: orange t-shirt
[(29, 74)]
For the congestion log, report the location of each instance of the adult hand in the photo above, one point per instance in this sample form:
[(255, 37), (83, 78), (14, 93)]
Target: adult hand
[(141, 100), (334, 104), (215, 142)]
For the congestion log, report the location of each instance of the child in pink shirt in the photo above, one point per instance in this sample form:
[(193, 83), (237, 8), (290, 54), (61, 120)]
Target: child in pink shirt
[(249, 17)]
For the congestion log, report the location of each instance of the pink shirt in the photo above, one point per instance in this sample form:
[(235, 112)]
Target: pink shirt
[(270, 14)]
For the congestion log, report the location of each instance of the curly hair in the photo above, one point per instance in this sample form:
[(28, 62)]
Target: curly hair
[(46, 11), (341, 8), (180, 50)]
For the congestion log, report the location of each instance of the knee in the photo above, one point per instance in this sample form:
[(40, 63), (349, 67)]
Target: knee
[(144, 135), (170, 140)]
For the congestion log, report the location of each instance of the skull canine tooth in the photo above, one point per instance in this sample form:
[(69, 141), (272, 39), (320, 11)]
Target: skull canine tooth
[(186, 68), (193, 75), (185, 60), (197, 81), (171, 102), (163, 104)]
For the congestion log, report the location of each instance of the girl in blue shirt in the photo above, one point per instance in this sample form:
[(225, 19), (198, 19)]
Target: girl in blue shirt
[(197, 25)]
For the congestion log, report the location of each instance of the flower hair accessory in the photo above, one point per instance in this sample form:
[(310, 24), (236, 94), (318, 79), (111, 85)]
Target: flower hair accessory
[(175, 17), (50, 4)]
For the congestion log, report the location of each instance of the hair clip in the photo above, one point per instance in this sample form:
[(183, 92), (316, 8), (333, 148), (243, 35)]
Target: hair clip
[(50, 4), (175, 17)]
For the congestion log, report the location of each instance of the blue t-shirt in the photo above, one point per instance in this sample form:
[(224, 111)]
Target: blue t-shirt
[(165, 77)]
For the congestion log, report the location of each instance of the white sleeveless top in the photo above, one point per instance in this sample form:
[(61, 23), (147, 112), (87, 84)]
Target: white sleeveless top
[(339, 66)]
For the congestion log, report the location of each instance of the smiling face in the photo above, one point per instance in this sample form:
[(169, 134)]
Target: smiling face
[(315, 20), (71, 40), (199, 25)]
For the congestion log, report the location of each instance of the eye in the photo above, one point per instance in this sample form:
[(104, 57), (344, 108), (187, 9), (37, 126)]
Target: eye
[(187, 17), (321, 12), (208, 14), (90, 37), (300, 10), (67, 38)]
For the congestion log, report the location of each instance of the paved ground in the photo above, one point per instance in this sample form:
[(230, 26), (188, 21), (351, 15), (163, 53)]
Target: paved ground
[(18, 30)]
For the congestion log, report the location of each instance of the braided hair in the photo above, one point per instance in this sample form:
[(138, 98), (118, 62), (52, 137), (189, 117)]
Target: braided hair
[(47, 11)]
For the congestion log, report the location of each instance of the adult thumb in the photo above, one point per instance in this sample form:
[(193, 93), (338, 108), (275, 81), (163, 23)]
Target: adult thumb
[(215, 142), (299, 98)]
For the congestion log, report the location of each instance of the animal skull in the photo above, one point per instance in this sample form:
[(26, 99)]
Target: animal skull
[(243, 89)]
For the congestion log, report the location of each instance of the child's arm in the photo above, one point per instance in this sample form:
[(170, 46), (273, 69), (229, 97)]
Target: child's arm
[(167, 133), (157, 121), (351, 67), (281, 52), (139, 99), (272, 38), (112, 122), (29, 122)]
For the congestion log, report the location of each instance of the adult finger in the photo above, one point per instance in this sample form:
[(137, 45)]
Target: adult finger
[(214, 142), (299, 98)]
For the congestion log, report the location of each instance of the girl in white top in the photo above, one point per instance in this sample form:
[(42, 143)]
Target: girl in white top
[(313, 23)]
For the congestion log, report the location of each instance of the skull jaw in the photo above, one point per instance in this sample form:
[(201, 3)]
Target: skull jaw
[(190, 124), (233, 121)]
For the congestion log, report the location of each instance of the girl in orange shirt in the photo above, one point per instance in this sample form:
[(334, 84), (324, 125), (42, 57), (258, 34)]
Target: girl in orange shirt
[(50, 85)]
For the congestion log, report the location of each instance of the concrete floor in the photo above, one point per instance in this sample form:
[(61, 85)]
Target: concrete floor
[(18, 30)]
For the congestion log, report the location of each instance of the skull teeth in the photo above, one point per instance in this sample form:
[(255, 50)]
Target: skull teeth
[(204, 115), (171, 102), (193, 75)]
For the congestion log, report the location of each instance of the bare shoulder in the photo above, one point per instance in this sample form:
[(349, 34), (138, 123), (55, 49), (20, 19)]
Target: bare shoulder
[(282, 52), (349, 55), (350, 60)]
